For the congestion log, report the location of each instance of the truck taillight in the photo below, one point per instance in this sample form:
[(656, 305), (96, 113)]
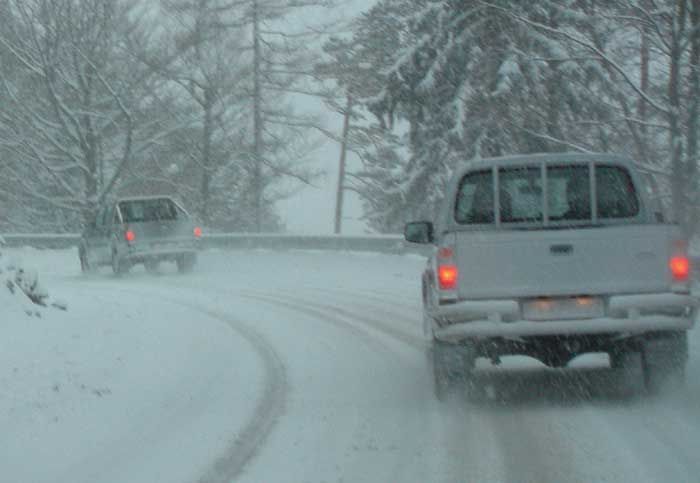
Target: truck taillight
[(197, 231), (129, 236), (447, 276), (680, 268)]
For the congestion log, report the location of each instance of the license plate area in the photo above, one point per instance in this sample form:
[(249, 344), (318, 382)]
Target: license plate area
[(563, 308)]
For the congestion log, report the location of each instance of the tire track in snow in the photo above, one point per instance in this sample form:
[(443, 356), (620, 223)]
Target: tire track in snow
[(377, 304), (398, 468), (253, 434), (385, 299), (269, 408), (232, 464), (334, 310)]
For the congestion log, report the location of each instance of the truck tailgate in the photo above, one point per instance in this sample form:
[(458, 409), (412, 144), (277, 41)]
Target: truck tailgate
[(162, 234), (596, 260)]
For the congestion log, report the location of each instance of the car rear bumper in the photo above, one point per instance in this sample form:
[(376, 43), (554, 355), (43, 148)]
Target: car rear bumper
[(625, 315)]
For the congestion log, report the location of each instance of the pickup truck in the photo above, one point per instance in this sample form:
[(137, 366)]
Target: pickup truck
[(136, 230), (553, 256)]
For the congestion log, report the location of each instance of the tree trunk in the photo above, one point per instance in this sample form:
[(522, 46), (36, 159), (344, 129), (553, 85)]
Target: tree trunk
[(675, 128), (205, 191), (257, 184), (341, 167), (643, 81)]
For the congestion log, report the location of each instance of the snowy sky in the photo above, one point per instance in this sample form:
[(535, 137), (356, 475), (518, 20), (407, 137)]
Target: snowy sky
[(312, 210)]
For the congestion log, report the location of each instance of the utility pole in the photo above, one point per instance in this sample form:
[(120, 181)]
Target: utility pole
[(341, 167)]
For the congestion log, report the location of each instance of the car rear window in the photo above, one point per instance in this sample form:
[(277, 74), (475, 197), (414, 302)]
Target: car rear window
[(135, 211), (568, 193)]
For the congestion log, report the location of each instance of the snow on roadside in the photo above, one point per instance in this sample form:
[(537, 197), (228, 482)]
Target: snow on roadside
[(93, 394), (21, 289), (121, 387)]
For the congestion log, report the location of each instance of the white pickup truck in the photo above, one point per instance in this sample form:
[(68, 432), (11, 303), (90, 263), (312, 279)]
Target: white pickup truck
[(553, 256)]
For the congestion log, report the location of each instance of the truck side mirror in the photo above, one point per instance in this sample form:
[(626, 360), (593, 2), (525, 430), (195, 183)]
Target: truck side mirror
[(419, 232)]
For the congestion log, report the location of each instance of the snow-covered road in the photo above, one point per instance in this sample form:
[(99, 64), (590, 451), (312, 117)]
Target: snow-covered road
[(300, 366)]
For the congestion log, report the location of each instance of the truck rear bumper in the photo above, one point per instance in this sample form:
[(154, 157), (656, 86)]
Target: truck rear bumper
[(625, 315), (171, 252)]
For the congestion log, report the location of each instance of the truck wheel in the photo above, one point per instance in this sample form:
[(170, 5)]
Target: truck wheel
[(119, 265), (85, 265), (151, 266), (628, 366), (452, 365), (186, 262), (664, 358)]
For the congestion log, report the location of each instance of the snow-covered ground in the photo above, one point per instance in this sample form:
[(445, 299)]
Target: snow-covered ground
[(297, 366)]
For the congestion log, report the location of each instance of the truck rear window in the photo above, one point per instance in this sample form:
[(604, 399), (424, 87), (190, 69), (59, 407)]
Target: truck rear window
[(475, 199), (568, 193), (136, 211), (520, 195), (616, 195)]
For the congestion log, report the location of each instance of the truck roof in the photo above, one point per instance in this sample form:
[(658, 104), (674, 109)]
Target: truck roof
[(528, 159), (144, 198)]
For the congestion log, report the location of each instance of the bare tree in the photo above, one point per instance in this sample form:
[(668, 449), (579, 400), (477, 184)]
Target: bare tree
[(205, 56), (282, 64), (81, 106)]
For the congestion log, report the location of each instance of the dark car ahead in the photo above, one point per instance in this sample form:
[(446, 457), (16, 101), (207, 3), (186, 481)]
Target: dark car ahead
[(145, 230)]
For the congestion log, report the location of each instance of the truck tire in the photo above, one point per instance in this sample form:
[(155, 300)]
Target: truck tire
[(452, 365), (186, 262), (664, 358), (119, 265), (85, 265), (151, 265), (629, 372)]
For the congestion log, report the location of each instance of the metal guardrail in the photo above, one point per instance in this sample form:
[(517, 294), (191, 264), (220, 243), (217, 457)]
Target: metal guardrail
[(377, 243), (40, 240), (394, 244)]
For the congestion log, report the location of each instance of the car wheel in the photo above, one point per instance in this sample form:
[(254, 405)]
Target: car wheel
[(186, 262), (151, 266), (119, 265), (664, 359)]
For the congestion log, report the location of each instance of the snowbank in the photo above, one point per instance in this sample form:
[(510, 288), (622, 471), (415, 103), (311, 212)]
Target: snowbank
[(21, 292), (124, 386)]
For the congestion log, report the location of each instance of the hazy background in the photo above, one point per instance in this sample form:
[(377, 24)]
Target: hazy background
[(312, 208)]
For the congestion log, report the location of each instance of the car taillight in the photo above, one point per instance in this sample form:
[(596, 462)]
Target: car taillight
[(680, 268), (447, 276), (197, 231), (129, 236)]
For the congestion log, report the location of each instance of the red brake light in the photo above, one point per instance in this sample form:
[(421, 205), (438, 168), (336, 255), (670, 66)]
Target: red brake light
[(447, 276), (197, 231), (680, 268), (129, 236)]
